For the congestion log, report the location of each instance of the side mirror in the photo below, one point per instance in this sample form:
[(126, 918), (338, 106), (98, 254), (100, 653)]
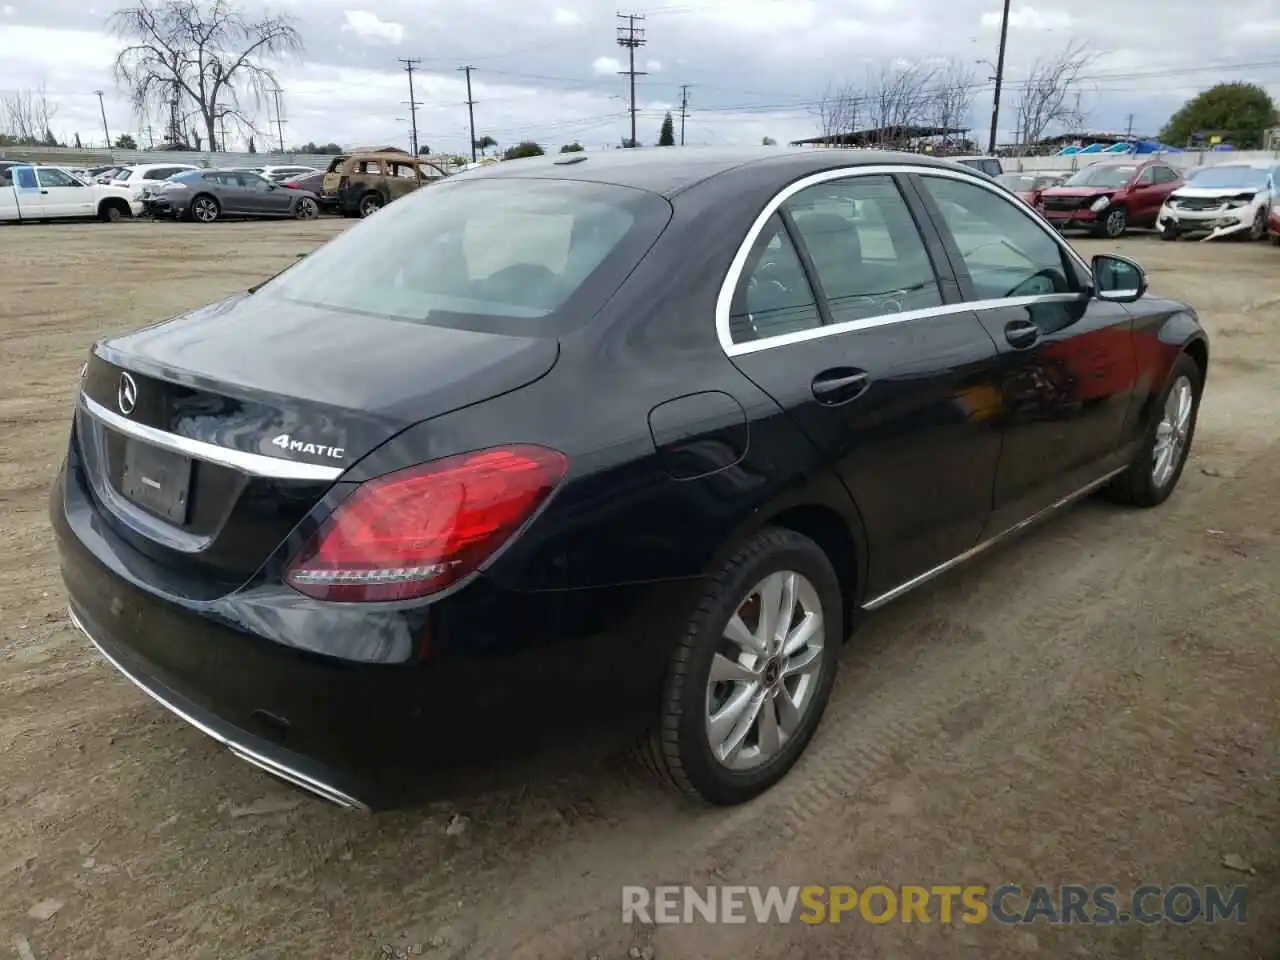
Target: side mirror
[(1118, 279)]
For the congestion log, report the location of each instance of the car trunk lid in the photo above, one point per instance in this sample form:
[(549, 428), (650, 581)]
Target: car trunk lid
[(209, 437)]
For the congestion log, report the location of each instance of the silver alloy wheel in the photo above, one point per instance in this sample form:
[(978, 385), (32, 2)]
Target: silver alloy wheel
[(1171, 432), (369, 206), (1115, 223), (305, 209), (765, 672), (205, 210)]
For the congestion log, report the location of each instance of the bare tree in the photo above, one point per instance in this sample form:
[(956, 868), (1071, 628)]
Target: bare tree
[(839, 110), (200, 52), (951, 99), (1046, 98), (28, 116), (898, 97)]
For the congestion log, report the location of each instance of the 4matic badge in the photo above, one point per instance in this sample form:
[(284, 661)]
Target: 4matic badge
[(286, 442)]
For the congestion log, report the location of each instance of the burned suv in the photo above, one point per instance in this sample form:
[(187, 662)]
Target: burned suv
[(359, 184)]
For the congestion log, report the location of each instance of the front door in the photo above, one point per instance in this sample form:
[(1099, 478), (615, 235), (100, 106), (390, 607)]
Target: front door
[(31, 196), (841, 317), (1067, 363), (263, 196), (63, 194)]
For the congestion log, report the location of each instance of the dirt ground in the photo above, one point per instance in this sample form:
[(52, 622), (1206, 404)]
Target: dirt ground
[(1095, 703)]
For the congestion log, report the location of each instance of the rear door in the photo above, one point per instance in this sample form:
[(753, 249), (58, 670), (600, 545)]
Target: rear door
[(1067, 365), (847, 315)]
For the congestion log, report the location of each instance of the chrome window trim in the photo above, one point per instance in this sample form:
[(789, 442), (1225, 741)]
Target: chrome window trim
[(255, 464), (724, 302)]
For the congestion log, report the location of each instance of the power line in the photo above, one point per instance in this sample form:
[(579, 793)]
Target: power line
[(471, 112), (105, 132), (631, 37), (684, 109), (409, 64)]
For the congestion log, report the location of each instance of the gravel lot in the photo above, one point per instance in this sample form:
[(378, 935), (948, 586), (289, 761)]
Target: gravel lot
[(1095, 703)]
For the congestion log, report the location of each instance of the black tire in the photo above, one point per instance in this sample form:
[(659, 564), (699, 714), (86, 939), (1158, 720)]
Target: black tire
[(1257, 229), (1137, 486), (1275, 239), (370, 204), (677, 750), (306, 209), (110, 212), (204, 208), (1168, 233), (1113, 223)]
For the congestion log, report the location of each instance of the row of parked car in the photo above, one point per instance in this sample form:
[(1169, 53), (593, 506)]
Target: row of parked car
[(1107, 198), (353, 185)]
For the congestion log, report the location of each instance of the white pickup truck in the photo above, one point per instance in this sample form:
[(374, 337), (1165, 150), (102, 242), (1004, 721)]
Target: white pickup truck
[(38, 192)]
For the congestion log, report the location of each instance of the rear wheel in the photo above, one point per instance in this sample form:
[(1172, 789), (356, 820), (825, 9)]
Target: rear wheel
[(370, 204), (1158, 465), (750, 677), (205, 209), (306, 209)]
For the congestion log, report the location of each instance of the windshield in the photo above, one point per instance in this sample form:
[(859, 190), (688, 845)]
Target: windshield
[(1102, 176), (1232, 178), (490, 254)]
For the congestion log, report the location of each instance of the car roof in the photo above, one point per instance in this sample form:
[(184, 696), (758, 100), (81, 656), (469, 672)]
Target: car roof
[(669, 171)]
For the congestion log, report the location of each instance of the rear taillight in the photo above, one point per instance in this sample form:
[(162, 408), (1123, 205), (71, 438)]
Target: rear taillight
[(413, 532)]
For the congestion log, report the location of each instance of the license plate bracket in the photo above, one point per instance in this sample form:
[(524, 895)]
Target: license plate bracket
[(157, 480)]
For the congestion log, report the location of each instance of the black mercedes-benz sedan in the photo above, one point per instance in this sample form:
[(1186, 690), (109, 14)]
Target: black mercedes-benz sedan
[(565, 444)]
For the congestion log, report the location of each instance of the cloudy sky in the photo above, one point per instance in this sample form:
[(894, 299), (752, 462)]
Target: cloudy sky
[(548, 69)]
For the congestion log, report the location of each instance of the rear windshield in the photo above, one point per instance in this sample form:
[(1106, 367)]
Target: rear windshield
[(521, 256)]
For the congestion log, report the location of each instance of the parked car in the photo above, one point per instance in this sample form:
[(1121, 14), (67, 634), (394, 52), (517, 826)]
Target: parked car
[(281, 172), (43, 192), (1028, 186), (1109, 198), (208, 195), (313, 182), (143, 179), (361, 184), (636, 435), (989, 165), (1230, 199)]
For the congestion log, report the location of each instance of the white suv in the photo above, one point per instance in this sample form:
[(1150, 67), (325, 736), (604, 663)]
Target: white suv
[(145, 178)]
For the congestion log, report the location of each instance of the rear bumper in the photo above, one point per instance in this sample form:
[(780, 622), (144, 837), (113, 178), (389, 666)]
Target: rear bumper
[(368, 708), (1273, 222)]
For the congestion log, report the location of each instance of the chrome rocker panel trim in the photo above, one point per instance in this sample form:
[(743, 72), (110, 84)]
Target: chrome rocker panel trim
[(273, 767), (920, 580), (254, 464)]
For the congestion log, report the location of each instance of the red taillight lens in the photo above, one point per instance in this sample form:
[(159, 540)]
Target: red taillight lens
[(410, 533)]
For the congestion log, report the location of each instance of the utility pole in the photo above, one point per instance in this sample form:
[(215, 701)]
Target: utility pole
[(631, 37), (275, 94), (995, 102), (1129, 132), (684, 109), (222, 128), (409, 64), (105, 132), (175, 125), (471, 112), (151, 140)]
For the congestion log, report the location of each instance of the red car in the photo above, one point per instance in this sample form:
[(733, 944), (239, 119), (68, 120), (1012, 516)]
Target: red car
[(1029, 186), (1273, 222), (1109, 198)]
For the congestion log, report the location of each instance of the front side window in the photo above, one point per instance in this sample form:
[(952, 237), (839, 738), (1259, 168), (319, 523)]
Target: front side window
[(774, 296), (500, 255), (1006, 252), (50, 177), (865, 246)]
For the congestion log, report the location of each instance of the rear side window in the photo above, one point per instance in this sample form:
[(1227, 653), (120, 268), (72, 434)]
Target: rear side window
[(510, 255), (866, 249)]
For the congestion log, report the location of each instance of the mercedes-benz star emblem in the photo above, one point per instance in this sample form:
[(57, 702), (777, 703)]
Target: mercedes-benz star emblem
[(127, 394)]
